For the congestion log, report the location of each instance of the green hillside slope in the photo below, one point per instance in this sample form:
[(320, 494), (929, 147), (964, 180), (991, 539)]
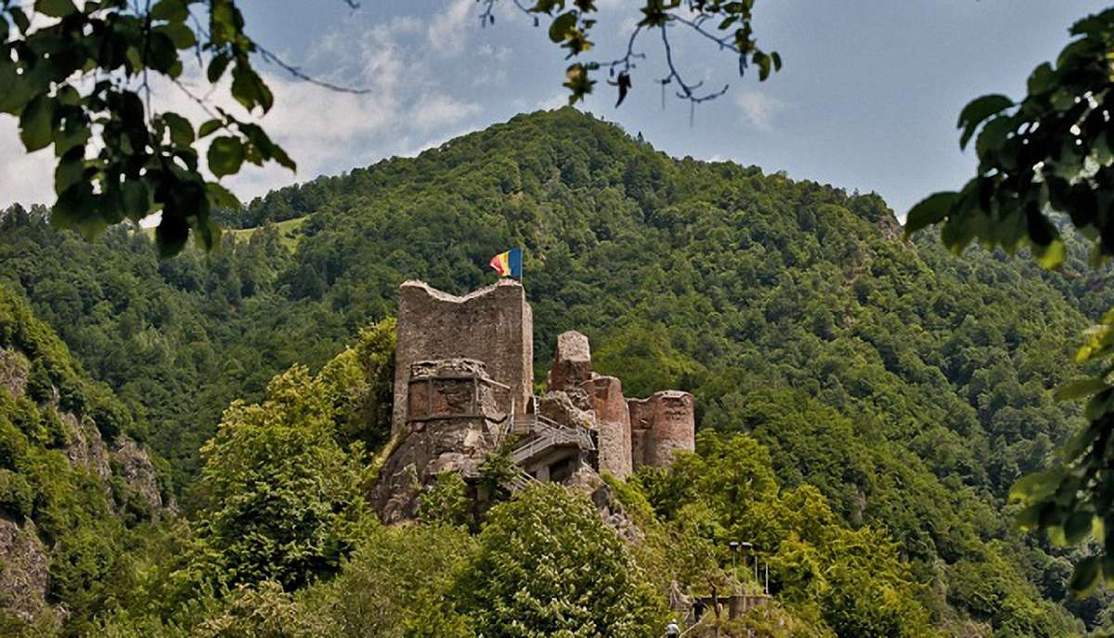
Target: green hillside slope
[(910, 387), (76, 491)]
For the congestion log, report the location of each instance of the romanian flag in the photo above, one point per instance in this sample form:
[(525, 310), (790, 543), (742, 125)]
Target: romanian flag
[(508, 264)]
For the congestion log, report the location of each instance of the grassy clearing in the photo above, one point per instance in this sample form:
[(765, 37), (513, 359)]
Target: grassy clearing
[(289, 232)]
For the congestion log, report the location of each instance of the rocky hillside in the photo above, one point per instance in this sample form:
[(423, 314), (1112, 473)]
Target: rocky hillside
[(73, 483)]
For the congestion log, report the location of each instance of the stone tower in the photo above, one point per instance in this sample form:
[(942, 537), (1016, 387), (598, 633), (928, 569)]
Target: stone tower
[(661, 426), (493, 325)]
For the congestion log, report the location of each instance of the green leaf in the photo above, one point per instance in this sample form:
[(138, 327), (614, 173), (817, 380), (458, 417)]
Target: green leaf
[(561, 26), (1078, 527), (249, 89), (220, 196), (764, 63), (181, 35), (36, 123), (1035, 486), (162, 55), (930, 210), (55, 8), (17, 90), (207, 234), (1086, 574), (20, 19), (70, 171), (170, 10), (181, 131), (217, 67), (171, 235), (993, 136), (1079, 388), (977, 111), (136, 199), (1051, 256), (1041, 79), (284, 160), (1099, 405), (209, 127), (226, 154)]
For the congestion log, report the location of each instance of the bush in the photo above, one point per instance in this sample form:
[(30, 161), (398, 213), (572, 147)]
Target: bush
[(549, 566), (17, 497)]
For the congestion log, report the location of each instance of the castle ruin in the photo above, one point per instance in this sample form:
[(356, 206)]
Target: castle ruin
[(463, 388)]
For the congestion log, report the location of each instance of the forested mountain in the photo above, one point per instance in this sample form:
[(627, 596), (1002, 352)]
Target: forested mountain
[(889, 387)]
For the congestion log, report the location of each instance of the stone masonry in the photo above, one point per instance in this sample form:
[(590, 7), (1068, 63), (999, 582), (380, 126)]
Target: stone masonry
[(463, 380), (493, 325), (452, 423), (613, 418), (661, 425)]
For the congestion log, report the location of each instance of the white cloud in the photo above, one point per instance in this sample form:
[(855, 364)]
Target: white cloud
[(408, 105), (448, 30), (758, 108), (24, 178), (555, 101), (442, 110)]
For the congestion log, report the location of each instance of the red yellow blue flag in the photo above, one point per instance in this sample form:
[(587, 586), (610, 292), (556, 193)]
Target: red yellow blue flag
[(508, 264)]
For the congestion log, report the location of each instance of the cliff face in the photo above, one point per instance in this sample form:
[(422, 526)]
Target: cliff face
[(24, 576), (66, 493)]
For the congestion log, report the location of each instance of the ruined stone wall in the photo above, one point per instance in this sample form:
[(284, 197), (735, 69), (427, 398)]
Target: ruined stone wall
[(493, 325), (662, 425), (613, 421), (640, 422), (450, 427), (572, 362)]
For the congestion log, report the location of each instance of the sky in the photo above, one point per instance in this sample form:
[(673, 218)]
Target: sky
[(867, 99)]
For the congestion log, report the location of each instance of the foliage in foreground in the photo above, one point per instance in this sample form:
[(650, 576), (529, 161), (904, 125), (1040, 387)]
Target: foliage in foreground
[(1045, 162)]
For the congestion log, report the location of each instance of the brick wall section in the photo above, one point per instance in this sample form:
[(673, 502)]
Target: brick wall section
[(613, 419), (641, 419), (661, 425), (493, 325)]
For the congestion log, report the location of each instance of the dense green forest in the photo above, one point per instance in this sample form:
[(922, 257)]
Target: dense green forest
[(864, 403)]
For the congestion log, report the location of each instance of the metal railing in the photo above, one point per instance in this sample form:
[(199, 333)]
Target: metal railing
[(519, 481)]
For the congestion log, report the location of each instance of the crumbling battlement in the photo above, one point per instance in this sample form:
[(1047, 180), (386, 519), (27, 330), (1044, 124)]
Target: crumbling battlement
[(463, 382), (661, 425), (493, 325), (452, 424), (630, 432)]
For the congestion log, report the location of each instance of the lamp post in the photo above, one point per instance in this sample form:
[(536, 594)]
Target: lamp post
[(736, 547)]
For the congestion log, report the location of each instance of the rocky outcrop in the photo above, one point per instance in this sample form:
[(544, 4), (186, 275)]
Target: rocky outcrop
[(24, 562), (567, 409), (14, 371), (85, 448), (132, 464), (609, 508), (453, 422)]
